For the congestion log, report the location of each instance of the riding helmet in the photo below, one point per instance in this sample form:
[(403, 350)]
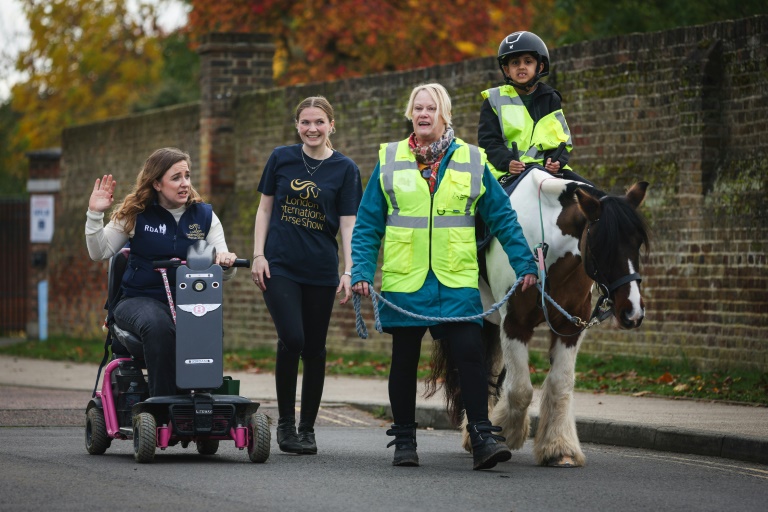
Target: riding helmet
[(524, 42)]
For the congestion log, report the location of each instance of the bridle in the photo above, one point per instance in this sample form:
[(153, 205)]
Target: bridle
[(604, 307)]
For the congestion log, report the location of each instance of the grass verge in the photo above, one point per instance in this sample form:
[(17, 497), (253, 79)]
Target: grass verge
[(605, 374)]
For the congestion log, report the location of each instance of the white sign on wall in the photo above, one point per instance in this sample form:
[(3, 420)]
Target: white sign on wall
[(41, 219)]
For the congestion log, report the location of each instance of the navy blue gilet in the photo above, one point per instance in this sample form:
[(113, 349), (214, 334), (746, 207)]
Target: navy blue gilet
[(158, 237)]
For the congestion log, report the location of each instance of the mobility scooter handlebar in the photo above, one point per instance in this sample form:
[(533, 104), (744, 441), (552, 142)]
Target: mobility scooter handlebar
[(174, 263)]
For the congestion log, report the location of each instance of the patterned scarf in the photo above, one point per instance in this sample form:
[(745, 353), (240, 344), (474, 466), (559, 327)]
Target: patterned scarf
[(431, 155)]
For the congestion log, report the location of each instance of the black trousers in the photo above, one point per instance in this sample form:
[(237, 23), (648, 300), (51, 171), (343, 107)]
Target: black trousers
[(301, 314), (467, 355), (151, 320)]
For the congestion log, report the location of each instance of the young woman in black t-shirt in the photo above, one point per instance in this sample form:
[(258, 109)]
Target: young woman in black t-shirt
[(310, 192)]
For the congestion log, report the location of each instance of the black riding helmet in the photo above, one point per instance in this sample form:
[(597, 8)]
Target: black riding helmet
[(524, 42)]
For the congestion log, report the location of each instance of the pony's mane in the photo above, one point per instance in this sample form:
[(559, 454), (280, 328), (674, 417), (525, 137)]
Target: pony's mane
[(620, 224)]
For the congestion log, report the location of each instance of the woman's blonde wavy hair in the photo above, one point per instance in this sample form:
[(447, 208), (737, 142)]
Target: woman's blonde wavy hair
[(144, 193)]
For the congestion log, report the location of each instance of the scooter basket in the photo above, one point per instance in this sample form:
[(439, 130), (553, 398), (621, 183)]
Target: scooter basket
[(228, 387)]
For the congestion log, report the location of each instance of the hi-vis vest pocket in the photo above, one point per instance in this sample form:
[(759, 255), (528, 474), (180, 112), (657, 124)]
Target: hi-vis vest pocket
[(398, 250), (462, 249), (457, 202), (461, 183)]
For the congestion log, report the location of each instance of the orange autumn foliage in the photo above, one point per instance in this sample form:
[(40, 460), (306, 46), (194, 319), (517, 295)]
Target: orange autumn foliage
[(319, 40)]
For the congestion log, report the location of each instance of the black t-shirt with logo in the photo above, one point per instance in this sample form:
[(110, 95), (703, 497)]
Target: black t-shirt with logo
[(301, 243)]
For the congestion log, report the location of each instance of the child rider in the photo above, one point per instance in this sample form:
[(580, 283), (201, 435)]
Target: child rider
[(522, 122)]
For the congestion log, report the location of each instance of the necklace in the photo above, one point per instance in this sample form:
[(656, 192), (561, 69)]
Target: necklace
[(311, 169)]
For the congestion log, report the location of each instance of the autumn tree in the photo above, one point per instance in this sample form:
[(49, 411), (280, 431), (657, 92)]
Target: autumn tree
[(87, 60), (320, 40), (569, 21), (10, 184), (179, 80)]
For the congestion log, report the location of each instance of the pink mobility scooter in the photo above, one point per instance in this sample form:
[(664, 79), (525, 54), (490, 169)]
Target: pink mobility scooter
[(210, 411)]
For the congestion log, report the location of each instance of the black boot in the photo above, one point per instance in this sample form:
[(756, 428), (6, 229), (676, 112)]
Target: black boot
[(405, 444), (307, 438), (486, 451), (287, 438)]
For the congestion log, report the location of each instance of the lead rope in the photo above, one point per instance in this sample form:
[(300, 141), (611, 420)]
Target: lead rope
[(168, 292), (362, 331), (540, 248)]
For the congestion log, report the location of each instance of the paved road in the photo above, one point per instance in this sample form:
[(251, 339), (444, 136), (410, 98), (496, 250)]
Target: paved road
[(45, 465), (49, 469), (36, 407), (738, 432)]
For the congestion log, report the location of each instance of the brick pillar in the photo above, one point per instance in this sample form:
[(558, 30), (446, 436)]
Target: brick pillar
[(230, 64), (43, 187), (700, 120)]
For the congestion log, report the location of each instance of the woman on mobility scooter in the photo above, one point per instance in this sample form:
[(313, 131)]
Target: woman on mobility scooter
[(166, 222), (162, 217)]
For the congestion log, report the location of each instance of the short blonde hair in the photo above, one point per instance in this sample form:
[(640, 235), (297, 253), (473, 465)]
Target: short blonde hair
[(438, 94)]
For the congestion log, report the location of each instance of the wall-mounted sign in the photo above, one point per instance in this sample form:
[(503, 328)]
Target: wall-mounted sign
[(41, 219)]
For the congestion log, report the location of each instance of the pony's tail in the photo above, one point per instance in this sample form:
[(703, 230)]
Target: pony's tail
[(444, 372), (494, 363)]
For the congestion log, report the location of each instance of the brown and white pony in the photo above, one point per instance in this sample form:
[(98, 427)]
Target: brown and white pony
[(593, 239)]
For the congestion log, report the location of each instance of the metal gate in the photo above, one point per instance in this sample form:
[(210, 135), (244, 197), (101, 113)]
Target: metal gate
[(14, 262)]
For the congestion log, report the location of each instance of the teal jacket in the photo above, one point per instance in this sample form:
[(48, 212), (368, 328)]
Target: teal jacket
[(434, 299)]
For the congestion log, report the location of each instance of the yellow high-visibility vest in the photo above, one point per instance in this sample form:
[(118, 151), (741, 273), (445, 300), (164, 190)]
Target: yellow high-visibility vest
[(424, 230), (533, 138)]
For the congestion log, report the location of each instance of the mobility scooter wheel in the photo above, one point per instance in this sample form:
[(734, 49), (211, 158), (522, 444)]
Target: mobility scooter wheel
[(259, 437), (144, 437), (207, 446), (96, 439)]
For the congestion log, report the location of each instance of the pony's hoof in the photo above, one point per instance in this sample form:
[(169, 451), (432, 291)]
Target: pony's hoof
[(566, 461)]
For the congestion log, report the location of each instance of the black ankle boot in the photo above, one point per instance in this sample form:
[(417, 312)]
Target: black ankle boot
[(287, 438), (405, 444), (486, 450), (307, 438)]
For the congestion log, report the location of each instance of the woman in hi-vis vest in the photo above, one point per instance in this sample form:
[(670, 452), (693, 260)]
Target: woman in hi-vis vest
[(422, 198)]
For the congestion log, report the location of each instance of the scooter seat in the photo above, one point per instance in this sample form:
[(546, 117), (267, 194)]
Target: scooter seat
[(126, 339)]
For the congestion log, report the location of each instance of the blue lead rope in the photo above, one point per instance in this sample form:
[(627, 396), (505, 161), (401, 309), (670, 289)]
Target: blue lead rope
[(362, 330)]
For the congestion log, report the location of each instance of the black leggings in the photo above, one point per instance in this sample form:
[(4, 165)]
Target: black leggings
[(301, 314), (467, 355)]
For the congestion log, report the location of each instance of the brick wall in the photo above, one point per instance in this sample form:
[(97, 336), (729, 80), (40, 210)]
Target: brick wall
[(77, 285), (684, 109)]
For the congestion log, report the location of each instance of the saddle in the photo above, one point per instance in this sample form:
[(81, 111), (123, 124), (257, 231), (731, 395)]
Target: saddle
[(509, 183)]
